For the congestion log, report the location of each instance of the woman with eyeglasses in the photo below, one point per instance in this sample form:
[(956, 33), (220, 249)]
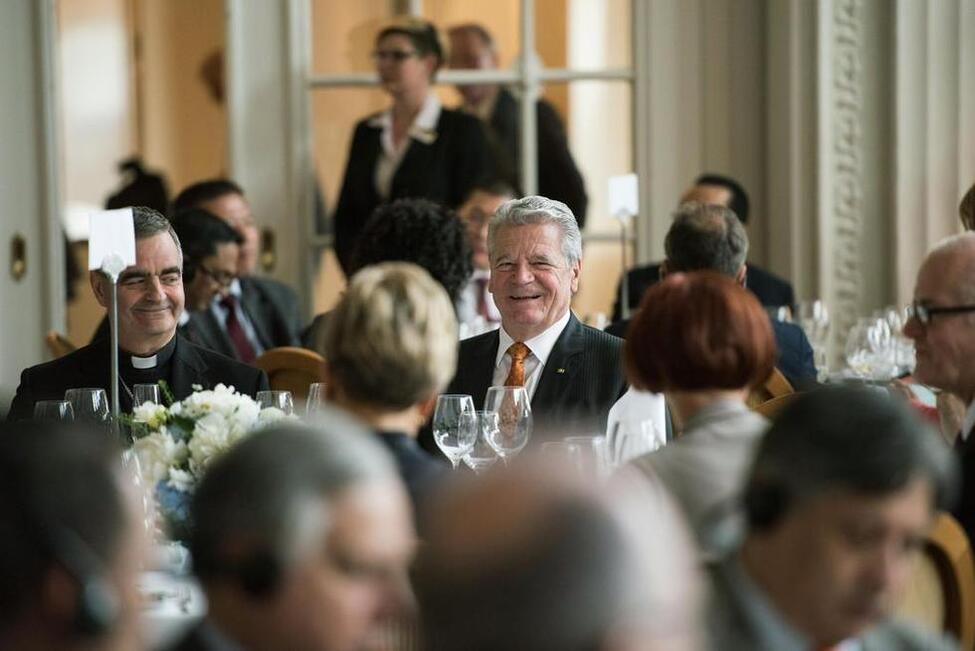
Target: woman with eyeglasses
[(415, 148)]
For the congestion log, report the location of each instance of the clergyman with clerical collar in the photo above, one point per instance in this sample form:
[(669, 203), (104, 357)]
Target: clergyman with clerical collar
[(150, 303)]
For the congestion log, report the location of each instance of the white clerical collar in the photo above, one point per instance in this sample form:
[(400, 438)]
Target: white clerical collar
[(969, 422), (143, 363), (540, 345)]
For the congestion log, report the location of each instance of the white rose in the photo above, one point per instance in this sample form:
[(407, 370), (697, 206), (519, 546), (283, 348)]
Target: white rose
[(158, 453), (181, 480), (151, 414), (211, 437)]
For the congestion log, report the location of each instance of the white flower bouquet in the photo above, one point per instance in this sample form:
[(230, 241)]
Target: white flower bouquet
[(176, 444)]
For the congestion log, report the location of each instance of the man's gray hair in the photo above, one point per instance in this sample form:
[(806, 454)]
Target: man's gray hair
[(538, 210), (270, 489), (706, 236), (147, 222)]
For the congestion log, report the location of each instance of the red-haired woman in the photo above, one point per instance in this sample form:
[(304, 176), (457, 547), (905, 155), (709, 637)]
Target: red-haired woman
[(704, 342)]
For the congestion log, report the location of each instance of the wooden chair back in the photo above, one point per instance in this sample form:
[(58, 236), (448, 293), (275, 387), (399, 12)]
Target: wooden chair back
[(941, 591), (293, 369), (771, 408), (775, 386), (58, 344)]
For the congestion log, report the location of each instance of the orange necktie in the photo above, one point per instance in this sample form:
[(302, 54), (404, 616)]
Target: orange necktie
[(516, 376)]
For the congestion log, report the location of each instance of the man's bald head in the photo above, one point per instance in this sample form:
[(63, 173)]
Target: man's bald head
[(532, 560), (955, 257)]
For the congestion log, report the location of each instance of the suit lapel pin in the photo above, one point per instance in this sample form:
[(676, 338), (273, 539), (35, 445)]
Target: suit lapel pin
[(560, 371)]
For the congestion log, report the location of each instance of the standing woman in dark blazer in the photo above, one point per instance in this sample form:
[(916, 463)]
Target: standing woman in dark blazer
[(415, 148)]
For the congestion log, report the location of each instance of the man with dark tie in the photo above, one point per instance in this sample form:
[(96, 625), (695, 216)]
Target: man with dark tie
[(150, 302), (255, 313), (573, 373), (942, 325)]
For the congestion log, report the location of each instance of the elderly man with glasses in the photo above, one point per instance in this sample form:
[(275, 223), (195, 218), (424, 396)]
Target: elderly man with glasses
[(942, 325)]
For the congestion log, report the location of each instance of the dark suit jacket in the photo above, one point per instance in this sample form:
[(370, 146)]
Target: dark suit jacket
[(558, 176), (582, 379), (771, 290), (964, 512), (89, 367), (795, 358), (444, 171), (420, 471)]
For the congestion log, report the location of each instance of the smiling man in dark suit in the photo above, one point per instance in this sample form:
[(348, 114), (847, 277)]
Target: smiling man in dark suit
[(572, 372), (150, 302)]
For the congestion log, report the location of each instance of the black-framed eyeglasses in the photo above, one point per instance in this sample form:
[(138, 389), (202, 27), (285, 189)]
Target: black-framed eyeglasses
[(924, 314), (393, 55), (222, 278)]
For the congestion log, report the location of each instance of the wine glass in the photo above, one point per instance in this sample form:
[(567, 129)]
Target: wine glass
[(143, 393), (90, 404), (514, 411), (53, 410), (814, 320), (869, 349), (278, 399), (455, 426), (316, 398), (133, 470), (589, 454), (482, 456)]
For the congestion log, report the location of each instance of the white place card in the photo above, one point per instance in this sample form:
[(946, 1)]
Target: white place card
[(111, 232), (623, 196)]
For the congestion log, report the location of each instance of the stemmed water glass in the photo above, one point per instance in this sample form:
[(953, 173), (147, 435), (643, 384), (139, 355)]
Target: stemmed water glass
[(143, 393), (53, 410), (455, 426), (514, 411), (133, 469), (869, 349), (278, 399), (482, 456), (316, 398), (90, 404), (814, 320)]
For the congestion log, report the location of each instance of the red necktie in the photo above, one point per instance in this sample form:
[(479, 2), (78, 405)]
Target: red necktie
[(245, 351), (516, 376)]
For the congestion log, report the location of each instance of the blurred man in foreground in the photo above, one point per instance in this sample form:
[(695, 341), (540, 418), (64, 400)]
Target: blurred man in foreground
[(301, 539), (838, 502), (531, 560), (71, 542)]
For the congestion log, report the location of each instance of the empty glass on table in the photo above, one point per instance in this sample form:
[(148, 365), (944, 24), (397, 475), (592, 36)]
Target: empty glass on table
[(90, 404), (514, 411), (455, 426), (316, 398), (482, 456), (143, 393), (53, 410), (277, 399)]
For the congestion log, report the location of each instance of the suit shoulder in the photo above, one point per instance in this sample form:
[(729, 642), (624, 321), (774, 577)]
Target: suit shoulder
[(898, 635), (477, 342), (227, 366), (649, 272), (271, 286), (602, 339), (77, 357), (454, 119)]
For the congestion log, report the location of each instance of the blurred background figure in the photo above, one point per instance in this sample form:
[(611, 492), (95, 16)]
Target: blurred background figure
[(472, 47), (141, 187), (416, 148), (704, 342), (211, 251), (528, 560), (390, 349), (72, 542), (838, 501), (256, 313), (966, 209), (475, 306), (301, 539), (714, 189), (409, 230)]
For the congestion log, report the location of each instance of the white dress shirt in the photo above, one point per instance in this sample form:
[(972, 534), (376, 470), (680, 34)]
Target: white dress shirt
[(969, 422), (473, 323), (423, 129), (540, 348)]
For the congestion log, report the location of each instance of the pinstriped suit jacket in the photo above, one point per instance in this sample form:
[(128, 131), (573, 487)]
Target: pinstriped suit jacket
[(581, 380)]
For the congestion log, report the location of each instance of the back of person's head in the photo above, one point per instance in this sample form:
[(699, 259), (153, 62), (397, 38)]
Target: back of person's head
[(739, 202), (422, 34), (422, 232), (966, 209), (64, 526), (860, 441), (526, 560), (261, 503), (698, 331), (200, 232), (201, 192), (391, 340), (493, 187), (538, 210), (704, 236)]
